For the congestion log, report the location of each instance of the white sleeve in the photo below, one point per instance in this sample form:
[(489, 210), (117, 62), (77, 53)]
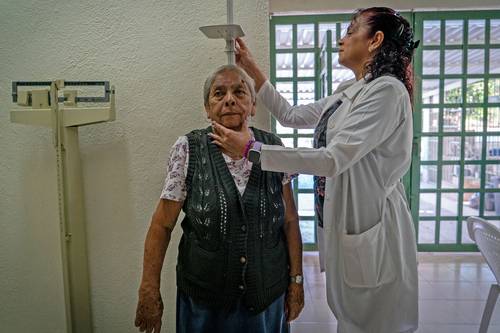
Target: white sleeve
[(175, 181), (369, 123), (300, 116)]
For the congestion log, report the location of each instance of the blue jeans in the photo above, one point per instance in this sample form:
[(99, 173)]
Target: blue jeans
[(193, 317)]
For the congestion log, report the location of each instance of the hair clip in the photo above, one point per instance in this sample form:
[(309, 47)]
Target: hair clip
[(401, 29)]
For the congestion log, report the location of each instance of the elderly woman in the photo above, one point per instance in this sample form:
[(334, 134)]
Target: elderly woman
[(239, 267), (362, 148)]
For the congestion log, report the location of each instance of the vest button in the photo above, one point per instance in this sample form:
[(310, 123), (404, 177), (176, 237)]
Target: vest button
[(243, 260), (243, 228), (241, 287)]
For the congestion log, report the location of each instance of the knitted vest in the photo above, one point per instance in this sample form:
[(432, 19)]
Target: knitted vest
[(233, 247)]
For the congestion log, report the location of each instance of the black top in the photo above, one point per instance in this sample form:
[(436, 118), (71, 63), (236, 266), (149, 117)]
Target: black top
[(319, 141), (233, 247)]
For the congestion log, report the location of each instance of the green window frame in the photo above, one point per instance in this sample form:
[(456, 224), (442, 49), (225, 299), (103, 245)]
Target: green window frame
[(298, 82)]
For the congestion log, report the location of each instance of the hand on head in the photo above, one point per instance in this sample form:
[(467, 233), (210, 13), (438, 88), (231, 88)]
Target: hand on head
[(245, 60)]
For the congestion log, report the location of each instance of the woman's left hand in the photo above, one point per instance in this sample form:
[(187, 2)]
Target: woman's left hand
[(233, 142), (294, 301)]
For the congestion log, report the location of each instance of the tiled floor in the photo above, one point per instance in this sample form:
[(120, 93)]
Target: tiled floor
[(452, 292)]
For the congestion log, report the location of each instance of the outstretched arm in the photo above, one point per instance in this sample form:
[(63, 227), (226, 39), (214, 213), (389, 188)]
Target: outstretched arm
[(150, 305), (295, 294)]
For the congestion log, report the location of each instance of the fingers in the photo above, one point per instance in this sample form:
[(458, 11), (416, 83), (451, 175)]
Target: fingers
[(240, 44), (219, 129), (158, 327)]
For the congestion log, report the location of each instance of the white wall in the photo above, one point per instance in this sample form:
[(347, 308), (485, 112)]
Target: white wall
[(317, 6), (154, 54)]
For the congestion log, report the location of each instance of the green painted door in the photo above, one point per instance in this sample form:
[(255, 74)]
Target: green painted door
[(455, 171)]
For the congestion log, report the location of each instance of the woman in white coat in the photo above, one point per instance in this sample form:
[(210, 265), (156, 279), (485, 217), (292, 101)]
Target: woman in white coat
[(362, 148)]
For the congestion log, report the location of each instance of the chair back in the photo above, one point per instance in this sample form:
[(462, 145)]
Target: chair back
[(487, 238)]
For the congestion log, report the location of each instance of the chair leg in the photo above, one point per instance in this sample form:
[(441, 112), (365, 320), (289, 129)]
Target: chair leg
[(488, 309)]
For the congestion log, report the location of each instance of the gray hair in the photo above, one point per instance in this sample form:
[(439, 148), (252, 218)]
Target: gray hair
[(228, 68)]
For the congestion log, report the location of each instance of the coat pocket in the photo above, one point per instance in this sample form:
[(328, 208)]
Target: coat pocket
[(367, 261)]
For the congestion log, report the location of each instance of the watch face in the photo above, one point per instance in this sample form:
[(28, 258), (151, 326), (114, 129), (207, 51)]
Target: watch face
[(253, 156)]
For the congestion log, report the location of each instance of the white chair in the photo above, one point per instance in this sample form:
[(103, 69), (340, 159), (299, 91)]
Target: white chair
[(487, 238)]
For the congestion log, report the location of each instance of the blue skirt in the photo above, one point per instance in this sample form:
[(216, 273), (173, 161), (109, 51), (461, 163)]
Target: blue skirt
[(193, 317)]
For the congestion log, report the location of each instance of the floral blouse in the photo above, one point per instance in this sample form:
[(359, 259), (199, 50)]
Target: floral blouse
[(175, 181)]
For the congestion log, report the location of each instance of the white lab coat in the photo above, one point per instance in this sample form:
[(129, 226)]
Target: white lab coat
[(369, 248)]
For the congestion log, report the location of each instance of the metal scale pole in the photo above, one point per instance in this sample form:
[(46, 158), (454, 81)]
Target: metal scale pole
[(41, 108), (227, 31)]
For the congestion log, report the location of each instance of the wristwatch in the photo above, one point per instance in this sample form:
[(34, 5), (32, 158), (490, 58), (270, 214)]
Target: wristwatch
[(254, 152), (299, 279)]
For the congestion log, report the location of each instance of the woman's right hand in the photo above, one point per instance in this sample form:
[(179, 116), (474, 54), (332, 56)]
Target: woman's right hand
[(149, 310), (245, 60)]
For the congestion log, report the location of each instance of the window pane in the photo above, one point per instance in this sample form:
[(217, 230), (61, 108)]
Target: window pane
[(476, 31), (492, 173), (450, 176), (305, 35), (305, 131), (282, 129), (343, 28), (306, 182), (430, 62), (449, 204), (473, 148), (472, 178), (465, 234), (453, 91), (492, 204), (430, 91), (323, 27), (307, 230), (448, 232), (428, 176), (452, 120), (286, 90), (305, 142), (494, 91), (284, 36), (284, 65), (430, 118), (493, 147), (432, 32), (305, 63), (427, 205), (494, 31), (471, 204), (339, 72), (288, 142), (494, 61), (454, 32), (451, 148), (474, 120), (475, 61), (429, 147), (453, 61), (426, 232), (493, 124), (306, 204), (305, 92), (475, 91)]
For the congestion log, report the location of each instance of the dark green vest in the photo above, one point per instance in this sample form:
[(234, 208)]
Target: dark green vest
[(233, 247)]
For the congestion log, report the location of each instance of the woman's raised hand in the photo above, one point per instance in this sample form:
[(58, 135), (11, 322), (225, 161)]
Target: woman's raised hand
[(245, 60)]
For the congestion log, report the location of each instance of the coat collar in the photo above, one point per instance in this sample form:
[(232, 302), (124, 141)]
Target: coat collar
[(353, 88)]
